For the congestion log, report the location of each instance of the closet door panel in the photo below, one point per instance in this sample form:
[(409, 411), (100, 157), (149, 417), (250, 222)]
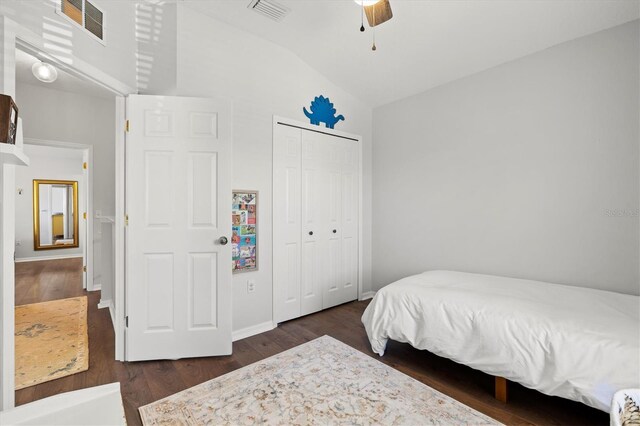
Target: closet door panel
[(333, 225), (345, 287), (334, 201), (287, 222), (332, 290), (350, 187), (311, 298), (313, 218)]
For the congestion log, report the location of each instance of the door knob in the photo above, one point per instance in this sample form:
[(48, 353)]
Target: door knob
[(223, 241), (310, 232)]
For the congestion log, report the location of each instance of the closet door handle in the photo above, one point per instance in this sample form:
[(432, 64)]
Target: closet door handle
[(335, 231), (310, 232)]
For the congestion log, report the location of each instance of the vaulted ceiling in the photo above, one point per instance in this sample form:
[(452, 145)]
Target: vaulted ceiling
[(427, 43)]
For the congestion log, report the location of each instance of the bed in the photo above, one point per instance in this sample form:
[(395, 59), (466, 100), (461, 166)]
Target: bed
[(577, 343)]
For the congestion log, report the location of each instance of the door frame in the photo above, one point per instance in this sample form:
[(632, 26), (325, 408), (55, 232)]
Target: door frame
[(333, 132), (119, 274), (32, 44), (12, 37), (87, 153)]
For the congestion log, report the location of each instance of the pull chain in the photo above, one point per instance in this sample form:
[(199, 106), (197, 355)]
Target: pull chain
[(362, 18), (374, 29)]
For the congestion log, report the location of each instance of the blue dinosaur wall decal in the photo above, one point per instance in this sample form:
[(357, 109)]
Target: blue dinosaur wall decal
[(322, 110)]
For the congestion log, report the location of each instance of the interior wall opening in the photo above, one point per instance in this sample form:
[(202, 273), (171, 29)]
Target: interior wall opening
[(65, 207)]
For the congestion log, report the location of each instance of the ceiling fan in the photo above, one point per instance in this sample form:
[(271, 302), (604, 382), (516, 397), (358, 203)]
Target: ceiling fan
[(377, 11)]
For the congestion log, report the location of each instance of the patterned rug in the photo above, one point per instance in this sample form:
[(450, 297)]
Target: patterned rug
[(320, 382), (51, 340)]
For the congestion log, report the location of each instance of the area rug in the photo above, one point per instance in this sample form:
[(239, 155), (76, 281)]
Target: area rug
[(51, 340), (320, 382)]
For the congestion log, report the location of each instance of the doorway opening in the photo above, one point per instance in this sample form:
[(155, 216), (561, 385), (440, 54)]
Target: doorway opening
[(65, 205)]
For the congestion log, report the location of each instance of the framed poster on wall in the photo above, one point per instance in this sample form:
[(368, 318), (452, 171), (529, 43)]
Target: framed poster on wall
[(244, 233)]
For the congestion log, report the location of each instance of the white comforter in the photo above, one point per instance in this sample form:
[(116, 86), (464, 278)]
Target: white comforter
[(572, 342)]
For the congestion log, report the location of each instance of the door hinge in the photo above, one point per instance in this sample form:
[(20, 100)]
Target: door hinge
[(126, 220), (126, 321), (84, 269), (84, 166), (84, 215), (126, 126)]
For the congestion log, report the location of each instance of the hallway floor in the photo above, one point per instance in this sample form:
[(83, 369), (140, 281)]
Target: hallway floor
[(48, 280)]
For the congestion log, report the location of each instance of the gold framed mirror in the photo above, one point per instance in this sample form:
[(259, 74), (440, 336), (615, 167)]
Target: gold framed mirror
[(55, 214)]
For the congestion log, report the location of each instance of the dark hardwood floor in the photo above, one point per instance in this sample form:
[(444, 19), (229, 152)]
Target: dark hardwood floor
[(145, 382), (48, 280)]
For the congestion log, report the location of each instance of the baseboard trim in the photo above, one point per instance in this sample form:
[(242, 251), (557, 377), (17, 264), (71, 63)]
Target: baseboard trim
[(36, 259), (96, 287), (367, 295), (112, 312), (109, 304), (252, 331)]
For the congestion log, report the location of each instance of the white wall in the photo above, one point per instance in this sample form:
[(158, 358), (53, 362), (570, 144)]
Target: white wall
[(529, 169), (71, 43), (71, 117), (156, 37), (46, 163), (262, 79)]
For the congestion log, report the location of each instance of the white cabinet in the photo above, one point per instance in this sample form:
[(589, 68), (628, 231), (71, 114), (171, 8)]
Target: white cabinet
[(316, 197)]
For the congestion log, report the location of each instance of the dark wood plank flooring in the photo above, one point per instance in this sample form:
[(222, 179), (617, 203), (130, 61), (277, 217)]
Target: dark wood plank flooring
[(48, 280), (145, 382)]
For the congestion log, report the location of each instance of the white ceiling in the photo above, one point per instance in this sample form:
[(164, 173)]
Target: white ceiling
[(427, 43), (65, 82)]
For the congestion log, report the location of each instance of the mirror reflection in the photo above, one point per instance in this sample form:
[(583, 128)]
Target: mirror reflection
[(55, 214)]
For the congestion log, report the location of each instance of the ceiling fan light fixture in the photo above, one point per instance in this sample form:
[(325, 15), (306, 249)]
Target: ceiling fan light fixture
[(44, 72)]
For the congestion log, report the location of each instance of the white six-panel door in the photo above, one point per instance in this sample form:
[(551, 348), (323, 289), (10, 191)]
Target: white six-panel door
[(316, 211), (178, 202)]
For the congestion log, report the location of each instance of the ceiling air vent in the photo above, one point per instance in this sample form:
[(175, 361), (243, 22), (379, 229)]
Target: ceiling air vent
[(270, 9)]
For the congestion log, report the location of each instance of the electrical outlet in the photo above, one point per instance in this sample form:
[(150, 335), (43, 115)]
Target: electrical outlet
[(251, 286)]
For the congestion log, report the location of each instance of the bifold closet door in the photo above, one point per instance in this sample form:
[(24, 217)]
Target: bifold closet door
[(350, 215), (329, 221), (332, 229), (342, 230), (314, 221), (287, 225)]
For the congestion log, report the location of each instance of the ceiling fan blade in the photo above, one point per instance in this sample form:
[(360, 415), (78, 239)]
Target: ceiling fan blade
[(379, 13)]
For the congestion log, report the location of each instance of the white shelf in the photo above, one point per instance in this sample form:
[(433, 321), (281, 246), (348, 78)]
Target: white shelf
[(11, 154)]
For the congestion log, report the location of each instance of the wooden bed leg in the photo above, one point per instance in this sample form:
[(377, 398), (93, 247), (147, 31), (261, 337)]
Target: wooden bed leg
[(501, 389)]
